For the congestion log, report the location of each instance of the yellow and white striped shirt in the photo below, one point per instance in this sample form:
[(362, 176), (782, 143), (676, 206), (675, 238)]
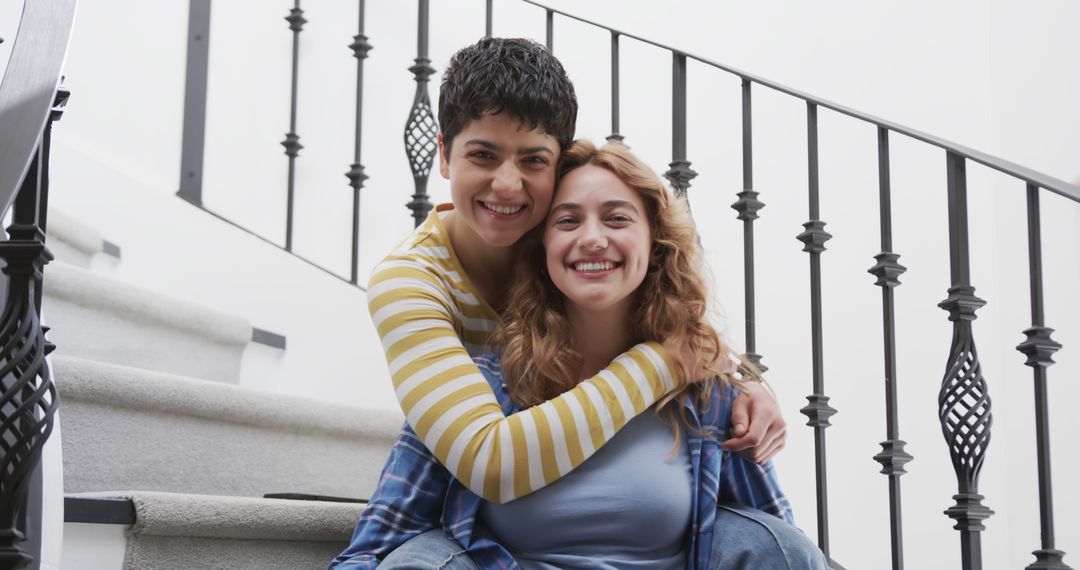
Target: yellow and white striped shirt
[(432, 321)]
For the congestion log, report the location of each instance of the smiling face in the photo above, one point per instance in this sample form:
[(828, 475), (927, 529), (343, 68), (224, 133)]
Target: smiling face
[(501, 179), (597, 240)]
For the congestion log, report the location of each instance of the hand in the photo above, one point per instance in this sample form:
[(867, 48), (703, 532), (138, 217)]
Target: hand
[(758, 430)]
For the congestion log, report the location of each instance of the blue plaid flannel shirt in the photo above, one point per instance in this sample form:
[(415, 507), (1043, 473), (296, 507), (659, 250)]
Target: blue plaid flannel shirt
[(416, 493)]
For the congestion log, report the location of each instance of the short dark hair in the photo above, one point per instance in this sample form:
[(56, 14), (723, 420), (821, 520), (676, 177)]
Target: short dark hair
[(507, 75)]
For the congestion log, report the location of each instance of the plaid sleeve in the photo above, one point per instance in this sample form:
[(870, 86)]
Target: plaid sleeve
[(408, 501), (755, 485)]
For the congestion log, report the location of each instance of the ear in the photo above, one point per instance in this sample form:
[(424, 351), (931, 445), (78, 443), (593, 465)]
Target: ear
[(444, 161)]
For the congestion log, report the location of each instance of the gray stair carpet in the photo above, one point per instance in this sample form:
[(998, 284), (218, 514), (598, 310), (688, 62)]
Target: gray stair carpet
[(101, 318), (127, 428), (180, 531), (72, 241)]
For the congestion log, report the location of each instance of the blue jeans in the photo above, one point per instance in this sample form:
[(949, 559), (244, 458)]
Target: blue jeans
[(744, 538), (428, 551)]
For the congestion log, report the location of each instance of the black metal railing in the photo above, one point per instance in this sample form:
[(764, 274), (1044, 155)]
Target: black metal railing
[(964, 403), (31, 100)]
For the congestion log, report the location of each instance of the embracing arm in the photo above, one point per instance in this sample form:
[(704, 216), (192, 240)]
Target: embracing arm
[(451, 406), (758, 428)]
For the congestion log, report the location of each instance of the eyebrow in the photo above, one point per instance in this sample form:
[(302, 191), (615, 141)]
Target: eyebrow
[(492, 146), (608, 205)]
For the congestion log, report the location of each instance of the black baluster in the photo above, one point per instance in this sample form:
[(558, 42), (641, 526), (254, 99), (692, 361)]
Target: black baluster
[(550, 31), (1039, 349), (818, 410), (360, 48), (193, 141), (292, 140), (888, 271), (28, 399), (615, 136), (421, 129), (964, 402), (679, 173), (487, 20), (748, 206)]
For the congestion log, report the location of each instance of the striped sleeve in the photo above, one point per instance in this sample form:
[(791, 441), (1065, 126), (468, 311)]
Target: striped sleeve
[(454, 411)]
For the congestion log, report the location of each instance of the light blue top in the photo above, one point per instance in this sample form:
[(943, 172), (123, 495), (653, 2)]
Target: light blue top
[(628, 506)]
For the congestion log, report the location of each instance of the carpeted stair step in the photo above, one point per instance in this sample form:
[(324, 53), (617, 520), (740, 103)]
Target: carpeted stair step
[(127, 428), (100, 318), (72, 241), (174, 531)]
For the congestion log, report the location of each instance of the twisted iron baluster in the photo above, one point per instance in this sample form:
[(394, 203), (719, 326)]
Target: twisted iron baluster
[(1039, 349), (28, 399), (421, 129), (360, 48), (748, 207), (888, 271), (964, 401)]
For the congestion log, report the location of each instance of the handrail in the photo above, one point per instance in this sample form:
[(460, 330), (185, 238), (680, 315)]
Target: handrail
[(30, 101), (1039, 179), (29, 87)]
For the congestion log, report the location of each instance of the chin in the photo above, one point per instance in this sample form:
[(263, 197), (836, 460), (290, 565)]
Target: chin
[(502, 239)]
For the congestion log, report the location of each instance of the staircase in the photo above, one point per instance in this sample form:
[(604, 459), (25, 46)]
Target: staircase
[(166, 459), (178, 417)]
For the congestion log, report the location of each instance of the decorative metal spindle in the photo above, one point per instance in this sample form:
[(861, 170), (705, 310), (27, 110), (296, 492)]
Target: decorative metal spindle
[(964, 402), (1039, 349), (421, 129), (615, 136), (292, 140), (679, 173), (550, 31), (28, 399), (818, 410), (748, 206), (487, 20), (888, 272), (360, 48)]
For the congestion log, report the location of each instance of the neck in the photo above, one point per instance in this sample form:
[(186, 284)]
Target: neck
[(489, 268), (599, 336)]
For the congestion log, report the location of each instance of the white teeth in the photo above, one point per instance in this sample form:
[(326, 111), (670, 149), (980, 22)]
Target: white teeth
[(503, 209), (594, 266)]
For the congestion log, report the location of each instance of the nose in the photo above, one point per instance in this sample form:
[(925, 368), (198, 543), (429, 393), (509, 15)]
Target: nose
[(593, 237), (507, 179)]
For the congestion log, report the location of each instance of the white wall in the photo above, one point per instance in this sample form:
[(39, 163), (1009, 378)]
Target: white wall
[(997, 77)]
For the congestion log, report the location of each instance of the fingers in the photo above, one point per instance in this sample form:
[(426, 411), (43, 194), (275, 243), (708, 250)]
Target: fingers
[(746, 444), (765, 431), (771, 450), (740, 415)]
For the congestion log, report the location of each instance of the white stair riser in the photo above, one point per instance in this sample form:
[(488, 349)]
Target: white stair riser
[(94, 546), (96, 334), (109, 547), (148, 552), (63, 251)]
